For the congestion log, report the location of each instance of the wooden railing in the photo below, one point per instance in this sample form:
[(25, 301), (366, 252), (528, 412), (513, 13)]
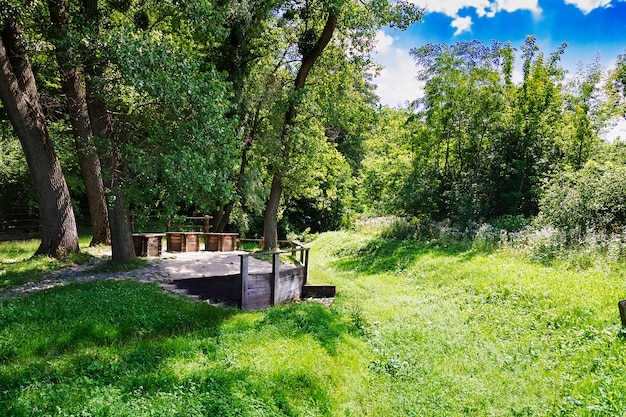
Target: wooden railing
[(200, 223), (278, 294)]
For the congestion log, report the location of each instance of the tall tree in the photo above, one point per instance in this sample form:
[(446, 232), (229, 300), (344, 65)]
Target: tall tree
[(76, 101), (238, 54), (310, 54), (462, 109), (528, 145), (122, 247), (18, 92), (313, 25), (484, 144)]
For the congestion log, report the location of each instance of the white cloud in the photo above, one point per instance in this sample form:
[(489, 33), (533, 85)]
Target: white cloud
[(615, 131), (451, 7), (587, 6), (462, 24), (515, 5), (396, 83), (483, 8), (487, 8), (383, 42)]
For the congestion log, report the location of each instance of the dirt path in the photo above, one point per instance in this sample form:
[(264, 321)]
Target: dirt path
[(168, 267)]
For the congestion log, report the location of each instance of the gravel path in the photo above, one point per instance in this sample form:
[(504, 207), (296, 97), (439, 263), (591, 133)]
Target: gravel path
[(160, 270)]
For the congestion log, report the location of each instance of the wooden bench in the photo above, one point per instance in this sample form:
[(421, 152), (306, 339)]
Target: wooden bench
[(148, 244), (177, 238)]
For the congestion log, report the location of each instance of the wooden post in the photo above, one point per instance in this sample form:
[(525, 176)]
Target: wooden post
[(622, 311), (275, 276), (306, 266), (244, 281), (207, 226)]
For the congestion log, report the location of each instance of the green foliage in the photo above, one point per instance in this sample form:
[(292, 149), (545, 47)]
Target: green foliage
[(386, 164), (483, 145), (589, 199), (174, 131), (15, 182)]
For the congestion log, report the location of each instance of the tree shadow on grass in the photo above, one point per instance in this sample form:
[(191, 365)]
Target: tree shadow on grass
[(384, 255), (33, 269), (127, 345)]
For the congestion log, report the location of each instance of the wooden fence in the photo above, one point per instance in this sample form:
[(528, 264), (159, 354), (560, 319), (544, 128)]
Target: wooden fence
[(18, 224)]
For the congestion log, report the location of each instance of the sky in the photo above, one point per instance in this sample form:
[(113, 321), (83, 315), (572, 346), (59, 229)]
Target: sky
[(590, 27)]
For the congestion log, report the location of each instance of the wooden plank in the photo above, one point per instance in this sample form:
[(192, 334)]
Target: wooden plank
[(289, 285), (190, 241), (306, 266), (275, 277), (174, 241), (244, 282), (211, 242)]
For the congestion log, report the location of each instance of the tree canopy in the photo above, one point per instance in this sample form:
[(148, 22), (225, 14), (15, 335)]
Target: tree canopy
[(265, 111)]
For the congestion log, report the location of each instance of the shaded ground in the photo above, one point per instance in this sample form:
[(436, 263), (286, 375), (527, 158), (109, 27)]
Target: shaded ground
[(168, 267)]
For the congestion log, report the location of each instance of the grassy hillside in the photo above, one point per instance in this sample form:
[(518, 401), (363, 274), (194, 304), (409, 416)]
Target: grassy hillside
[(415, 330)]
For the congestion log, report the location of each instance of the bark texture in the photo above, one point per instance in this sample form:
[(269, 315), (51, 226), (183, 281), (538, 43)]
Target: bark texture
[(88, 159), (122, 248), (18, 93)]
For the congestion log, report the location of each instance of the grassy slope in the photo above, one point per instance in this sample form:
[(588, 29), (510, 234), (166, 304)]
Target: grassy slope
[(453, 332), (414, 331)]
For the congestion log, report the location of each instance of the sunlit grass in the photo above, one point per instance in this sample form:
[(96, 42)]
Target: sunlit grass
[(415, 330), (462, 333), (18, 266)]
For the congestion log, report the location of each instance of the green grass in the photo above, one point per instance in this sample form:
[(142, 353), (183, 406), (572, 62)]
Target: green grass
[(415, 330), (18, 266), (109, 266), (454, 332)]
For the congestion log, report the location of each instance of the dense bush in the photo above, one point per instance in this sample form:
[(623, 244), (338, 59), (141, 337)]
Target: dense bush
[(590, 199)]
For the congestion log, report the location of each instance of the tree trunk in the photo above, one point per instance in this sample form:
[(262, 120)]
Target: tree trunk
[(89, 162), (270, 220), (18, 92), (122, 248), (221, 218)]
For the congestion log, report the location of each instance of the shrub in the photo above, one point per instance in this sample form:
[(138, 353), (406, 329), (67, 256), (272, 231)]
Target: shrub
[(543, 245), (590, 199)]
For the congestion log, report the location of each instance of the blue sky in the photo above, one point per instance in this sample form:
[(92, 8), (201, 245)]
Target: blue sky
[(588, 26)]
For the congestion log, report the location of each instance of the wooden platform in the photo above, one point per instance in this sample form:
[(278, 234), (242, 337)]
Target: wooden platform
[(217, 277)]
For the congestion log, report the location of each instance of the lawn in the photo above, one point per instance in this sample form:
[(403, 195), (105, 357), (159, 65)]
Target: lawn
[(415, 330)]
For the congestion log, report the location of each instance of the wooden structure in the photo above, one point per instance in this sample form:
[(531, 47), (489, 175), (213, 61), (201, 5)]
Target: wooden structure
[(622, 312), (221, 242), (192, 223), (282, 285), (185, 237), (252, 289), (183, 241), (148, 244)]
